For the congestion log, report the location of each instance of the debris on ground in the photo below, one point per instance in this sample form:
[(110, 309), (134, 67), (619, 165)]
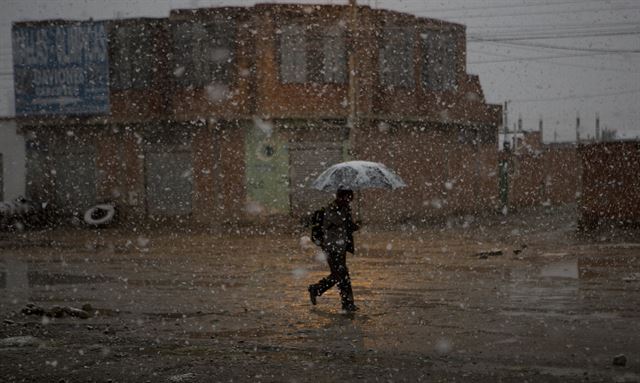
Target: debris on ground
[(561, 254), (519, 250), (487, 254), (87, 307), (20, 341), (100, 215), (56, 311), (22, 213), (620, 360), (182, 377)]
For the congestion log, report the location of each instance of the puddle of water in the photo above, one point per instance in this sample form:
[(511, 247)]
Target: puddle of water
[(15, 274), (562, 269), (36, 278), (15, 279), (554, 287)]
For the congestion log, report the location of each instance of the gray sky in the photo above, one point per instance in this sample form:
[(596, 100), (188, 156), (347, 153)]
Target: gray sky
[(551, 58)]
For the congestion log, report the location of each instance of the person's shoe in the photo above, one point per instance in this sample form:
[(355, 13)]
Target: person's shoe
[(313, 294), (350, 307)]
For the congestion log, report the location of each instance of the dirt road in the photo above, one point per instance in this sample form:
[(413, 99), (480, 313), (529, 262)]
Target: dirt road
[(511, 300)]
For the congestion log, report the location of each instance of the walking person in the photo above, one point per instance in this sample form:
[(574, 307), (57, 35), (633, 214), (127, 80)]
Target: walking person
[(337, 239)]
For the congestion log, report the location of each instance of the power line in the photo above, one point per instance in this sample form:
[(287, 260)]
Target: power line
[(506, 6), (577, 97), (555, 26), (595, 10), (526, 48), (508, 58), (529, 58), (557, 47), (591, 67), (554, 35)]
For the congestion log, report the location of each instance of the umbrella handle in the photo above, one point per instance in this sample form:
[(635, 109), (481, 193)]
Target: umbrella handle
[(358, 205)]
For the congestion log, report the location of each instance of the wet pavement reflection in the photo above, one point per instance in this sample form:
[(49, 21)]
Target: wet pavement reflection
[(236, 306)]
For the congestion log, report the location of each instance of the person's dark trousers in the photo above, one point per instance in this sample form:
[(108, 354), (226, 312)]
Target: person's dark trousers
[(339, 275)]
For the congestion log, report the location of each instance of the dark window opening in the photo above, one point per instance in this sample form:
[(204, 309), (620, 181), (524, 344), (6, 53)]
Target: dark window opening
[(312, 54), (132, 57), (396, 57), (204, 52), (439, 61)]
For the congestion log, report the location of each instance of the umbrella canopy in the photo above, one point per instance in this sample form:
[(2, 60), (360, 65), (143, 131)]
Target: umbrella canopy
[(356, 175)]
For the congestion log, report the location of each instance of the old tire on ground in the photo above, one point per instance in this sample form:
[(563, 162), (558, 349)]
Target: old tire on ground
[(100, 215)]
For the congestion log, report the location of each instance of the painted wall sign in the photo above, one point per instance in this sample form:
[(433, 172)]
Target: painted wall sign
[(61, 69)]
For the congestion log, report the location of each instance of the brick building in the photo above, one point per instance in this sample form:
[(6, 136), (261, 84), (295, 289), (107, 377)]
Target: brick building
[(542, 174), (610, 184), (226, 114)]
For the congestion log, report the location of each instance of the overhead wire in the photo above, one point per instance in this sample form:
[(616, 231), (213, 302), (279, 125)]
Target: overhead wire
[(557, 47), (508, 58), (507, 6), (577, 97), (552, 35), (556, 12), (554, 26), (514, 46)]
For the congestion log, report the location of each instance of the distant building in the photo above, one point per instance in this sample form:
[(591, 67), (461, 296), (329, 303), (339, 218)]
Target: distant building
[(226, 114), (540, 174)]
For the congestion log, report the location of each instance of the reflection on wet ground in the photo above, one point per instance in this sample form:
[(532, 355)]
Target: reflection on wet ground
[(545, 290), (237, 307)]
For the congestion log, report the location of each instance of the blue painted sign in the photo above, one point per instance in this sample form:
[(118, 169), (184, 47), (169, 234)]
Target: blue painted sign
[(61, 69)]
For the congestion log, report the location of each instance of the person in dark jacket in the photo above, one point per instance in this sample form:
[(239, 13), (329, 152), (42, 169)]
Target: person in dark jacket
[(338, 228)]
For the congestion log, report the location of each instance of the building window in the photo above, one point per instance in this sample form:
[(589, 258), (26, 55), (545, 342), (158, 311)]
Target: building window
[(439, 62), (293, 54), (203, 52), (132, 56), (396, 57), (334, 55), (313, 54)]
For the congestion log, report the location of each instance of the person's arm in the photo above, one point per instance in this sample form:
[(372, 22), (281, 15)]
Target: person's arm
[(352, 225)]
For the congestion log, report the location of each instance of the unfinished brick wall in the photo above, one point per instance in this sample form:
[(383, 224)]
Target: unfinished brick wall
[(549, 176), (610, 184), (444, 174)]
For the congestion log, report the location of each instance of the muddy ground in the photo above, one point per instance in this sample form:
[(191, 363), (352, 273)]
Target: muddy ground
[(515, 299)]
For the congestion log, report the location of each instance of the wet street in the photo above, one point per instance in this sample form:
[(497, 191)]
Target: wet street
[(524, 299)]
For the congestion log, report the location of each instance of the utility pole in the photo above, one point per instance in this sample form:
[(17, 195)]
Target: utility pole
[(540, 128), (577, 128), (597, 127), (505, 125), (503, 169), (518, 131), (353, 80), (352, 65)]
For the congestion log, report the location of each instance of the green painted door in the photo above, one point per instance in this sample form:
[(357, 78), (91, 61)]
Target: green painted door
[(267, 172)]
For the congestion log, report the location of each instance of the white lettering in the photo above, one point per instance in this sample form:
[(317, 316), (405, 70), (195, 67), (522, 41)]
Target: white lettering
[(58, 77)]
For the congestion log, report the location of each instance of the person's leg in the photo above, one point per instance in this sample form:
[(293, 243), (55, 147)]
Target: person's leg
[(344, 284), (327, 282)]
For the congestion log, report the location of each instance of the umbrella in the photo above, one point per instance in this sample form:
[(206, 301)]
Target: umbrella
[(355, 175)]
